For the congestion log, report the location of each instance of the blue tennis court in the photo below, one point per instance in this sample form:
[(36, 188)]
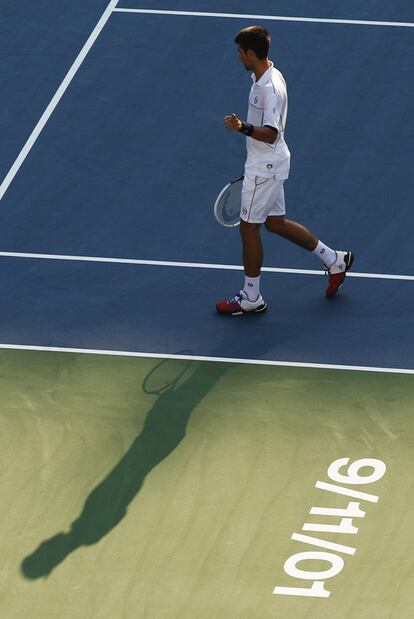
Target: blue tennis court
[(128, 165), (112, 153)]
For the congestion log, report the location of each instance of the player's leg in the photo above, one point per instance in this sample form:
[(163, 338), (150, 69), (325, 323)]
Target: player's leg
[(337, 263), (292, 231), (252, 248), (254, 209)]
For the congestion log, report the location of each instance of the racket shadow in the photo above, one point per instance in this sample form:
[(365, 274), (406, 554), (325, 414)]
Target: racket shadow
[(164, 429)]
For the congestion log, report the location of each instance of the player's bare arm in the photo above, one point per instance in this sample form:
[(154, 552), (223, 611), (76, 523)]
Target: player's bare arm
[(261, 134)]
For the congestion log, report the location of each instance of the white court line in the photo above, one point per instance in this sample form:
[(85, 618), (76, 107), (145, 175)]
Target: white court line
[(191, 265), (56, 98), (154, 355), (317, 20)]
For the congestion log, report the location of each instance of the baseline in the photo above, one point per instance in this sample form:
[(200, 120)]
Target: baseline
[(149, 355)]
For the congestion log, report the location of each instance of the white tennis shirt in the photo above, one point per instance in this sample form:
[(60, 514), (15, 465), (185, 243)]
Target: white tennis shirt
[(268, 104)]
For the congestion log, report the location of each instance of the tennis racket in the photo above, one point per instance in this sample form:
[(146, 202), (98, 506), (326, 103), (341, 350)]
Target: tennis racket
[(228, 204)]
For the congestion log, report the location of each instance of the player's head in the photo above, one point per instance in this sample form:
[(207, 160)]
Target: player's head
[(253, 44)]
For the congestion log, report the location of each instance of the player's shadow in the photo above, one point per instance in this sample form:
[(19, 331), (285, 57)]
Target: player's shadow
[(164, 429)]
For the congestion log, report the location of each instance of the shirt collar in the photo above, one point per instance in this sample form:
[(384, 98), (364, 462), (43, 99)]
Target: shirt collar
[(265, 77)]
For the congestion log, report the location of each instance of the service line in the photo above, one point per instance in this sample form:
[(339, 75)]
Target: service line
[(191, 265), (317, 20)]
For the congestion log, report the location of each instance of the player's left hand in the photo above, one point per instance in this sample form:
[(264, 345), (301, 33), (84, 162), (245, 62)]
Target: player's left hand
[(232, 123)]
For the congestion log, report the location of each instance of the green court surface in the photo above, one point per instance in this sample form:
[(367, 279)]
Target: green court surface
[(170, 490)]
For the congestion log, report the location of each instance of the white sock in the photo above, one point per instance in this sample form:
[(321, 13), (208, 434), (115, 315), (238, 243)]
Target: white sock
[(252, 287), (325, 253)]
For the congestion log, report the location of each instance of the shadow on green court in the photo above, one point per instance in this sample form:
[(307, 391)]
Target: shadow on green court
[(178, 392)]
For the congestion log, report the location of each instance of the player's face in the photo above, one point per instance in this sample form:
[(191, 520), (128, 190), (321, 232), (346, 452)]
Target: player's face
[(244, 57)]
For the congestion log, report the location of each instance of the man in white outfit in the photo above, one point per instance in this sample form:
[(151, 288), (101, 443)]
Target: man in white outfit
[(266, 169)]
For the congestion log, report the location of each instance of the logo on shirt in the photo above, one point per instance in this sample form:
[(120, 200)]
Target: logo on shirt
[(269, 166)]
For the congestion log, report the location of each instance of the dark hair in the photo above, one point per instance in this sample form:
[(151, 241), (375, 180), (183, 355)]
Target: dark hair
[(255, 38)]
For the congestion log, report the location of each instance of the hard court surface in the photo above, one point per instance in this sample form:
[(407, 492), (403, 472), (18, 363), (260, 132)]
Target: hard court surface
[(157, 459)]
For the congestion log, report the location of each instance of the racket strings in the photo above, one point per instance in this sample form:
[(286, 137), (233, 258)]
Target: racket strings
[(228, 207)]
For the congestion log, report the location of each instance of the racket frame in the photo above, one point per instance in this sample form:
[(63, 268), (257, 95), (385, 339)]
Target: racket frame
[(216, 203)]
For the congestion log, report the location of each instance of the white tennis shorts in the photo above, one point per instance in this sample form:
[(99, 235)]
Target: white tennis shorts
[(261, 197)]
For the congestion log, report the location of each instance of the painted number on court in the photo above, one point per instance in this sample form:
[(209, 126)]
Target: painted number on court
[(346, 515)]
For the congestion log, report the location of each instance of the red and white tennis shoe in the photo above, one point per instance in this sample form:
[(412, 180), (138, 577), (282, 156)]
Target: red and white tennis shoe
[(240, 304), (337, 272)]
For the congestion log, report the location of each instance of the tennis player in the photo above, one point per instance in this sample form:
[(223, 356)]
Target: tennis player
[(266, 169)]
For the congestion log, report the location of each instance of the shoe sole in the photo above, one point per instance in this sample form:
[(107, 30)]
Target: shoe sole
[(348, 266), (261, 308)]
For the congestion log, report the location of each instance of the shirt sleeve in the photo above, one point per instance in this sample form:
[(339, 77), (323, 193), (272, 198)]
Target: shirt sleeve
[(272, 111)]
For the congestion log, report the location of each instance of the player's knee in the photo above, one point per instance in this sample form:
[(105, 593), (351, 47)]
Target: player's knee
[(248, 229)]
